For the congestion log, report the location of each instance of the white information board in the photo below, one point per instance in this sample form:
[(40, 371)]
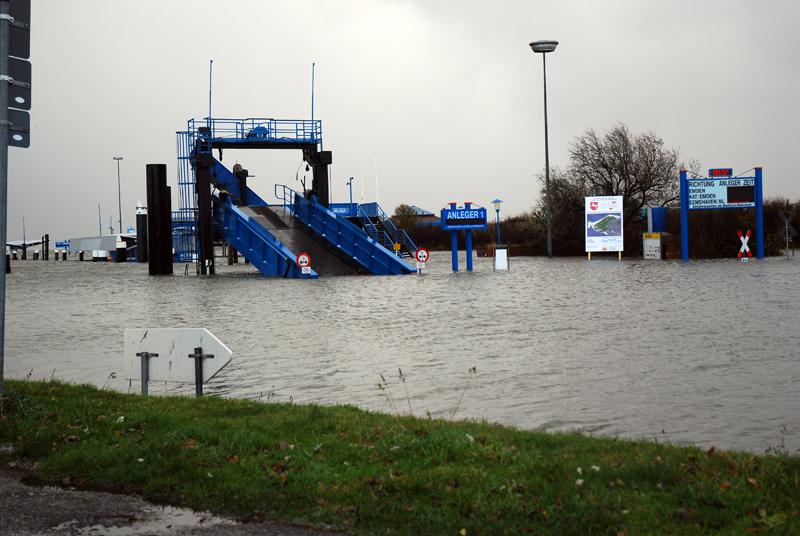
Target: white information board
[(173, 346), (721, 193), (604, 223), (501, 259)]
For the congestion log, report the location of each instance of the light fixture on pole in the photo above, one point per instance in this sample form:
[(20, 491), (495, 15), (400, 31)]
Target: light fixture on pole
[(350, 206), (119, 194), (497, 203), (543, 47)]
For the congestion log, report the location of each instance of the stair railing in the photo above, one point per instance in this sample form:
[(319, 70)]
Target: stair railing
[(287, 196), (372, 230), (398, 235)]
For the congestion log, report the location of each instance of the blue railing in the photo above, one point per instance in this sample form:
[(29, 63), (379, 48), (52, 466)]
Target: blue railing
[(259, 129), (397, 235), (372, 230), (348, 238), (271, 257), (184, 219)]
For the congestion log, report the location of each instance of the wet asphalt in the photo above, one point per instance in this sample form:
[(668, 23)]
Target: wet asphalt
[(28, 510)]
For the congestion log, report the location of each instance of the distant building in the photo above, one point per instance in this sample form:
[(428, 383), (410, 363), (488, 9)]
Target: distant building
[(425, 217), (103, 243)]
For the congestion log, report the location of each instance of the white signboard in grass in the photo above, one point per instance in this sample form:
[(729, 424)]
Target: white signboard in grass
[(604, 223), (173, 346)]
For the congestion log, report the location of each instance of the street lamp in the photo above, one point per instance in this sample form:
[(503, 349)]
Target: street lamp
[(119, 194), (497, 203), (350, 206), (543, 47)]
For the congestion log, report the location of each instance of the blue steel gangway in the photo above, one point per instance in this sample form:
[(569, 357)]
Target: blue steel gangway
[(271, 236)]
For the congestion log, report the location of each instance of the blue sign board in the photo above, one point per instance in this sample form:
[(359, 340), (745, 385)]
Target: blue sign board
[(466, 218), (721, 190), (62, 244), (459, 219), (739, 192)]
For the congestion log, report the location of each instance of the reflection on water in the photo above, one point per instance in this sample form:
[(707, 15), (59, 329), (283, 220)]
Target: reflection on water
[(705, 352)]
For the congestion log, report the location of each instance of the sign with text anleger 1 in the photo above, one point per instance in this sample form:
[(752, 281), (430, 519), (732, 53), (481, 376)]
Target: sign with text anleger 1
[(604, 223), (455, 218), (738, 192)]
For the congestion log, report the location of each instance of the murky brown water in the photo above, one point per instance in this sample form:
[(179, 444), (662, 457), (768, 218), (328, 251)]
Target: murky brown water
[(705, 353)]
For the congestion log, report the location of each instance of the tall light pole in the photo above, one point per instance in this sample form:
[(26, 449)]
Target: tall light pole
[(496, 204), (350, 206), (119, 194), (543, 47)]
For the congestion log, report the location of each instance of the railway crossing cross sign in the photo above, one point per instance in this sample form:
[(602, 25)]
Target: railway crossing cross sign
[(745, 249)]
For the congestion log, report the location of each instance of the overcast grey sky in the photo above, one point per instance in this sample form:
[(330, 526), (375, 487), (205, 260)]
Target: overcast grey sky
[(446, 96)]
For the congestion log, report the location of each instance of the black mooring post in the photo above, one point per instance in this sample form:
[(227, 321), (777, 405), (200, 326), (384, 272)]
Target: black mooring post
[(205, 231), (145, 369), (198, 357), (159, 221)]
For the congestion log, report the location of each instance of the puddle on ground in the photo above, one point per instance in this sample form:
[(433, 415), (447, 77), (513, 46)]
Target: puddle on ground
[(148, 520)]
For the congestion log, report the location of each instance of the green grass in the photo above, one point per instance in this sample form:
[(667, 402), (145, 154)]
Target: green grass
[(371, 473)]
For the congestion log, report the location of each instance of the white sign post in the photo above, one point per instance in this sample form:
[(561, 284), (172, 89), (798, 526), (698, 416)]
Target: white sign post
[(184, 355), (604, 224)]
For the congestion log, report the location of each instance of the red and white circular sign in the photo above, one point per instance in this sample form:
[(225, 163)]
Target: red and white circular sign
[(422, 255), (303, 260)]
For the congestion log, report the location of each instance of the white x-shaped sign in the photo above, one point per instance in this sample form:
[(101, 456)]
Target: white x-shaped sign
[(744, 238)]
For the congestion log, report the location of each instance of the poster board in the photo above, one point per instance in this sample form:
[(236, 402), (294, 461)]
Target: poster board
[(604, 224)]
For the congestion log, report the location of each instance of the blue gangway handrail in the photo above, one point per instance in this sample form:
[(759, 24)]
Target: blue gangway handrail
[(340, 233)]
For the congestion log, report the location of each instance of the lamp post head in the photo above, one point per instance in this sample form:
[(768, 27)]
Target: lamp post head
[(117, 158), (542, 47), (497, 203)]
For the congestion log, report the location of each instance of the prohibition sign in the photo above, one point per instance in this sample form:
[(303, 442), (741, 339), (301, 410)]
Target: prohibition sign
[(422, 255), (303, 260)]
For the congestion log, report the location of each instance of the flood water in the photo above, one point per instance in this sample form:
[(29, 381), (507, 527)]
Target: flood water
[(706, 353)]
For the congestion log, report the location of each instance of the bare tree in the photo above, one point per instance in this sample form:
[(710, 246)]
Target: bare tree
[(639, 168), (405, 217)]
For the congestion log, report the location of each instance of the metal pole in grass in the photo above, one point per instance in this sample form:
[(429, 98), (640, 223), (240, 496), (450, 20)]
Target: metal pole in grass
[(198, 357), (145, 356)]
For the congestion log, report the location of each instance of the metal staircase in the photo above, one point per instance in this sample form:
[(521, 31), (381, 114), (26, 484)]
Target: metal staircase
[(380, 227)]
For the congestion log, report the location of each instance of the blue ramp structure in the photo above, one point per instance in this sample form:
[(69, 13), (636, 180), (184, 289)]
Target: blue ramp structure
[(216, 203)]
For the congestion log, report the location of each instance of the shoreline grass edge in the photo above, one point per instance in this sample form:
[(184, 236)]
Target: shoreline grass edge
[(371, 473)]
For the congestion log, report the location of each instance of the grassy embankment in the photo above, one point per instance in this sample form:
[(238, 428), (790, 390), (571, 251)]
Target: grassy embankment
[(372, 473)]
